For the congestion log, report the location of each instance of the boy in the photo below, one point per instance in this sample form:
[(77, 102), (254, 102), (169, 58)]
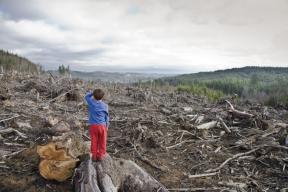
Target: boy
[(98, 122)]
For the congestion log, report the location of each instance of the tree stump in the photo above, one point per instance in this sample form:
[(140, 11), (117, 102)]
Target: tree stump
[(59, 160), (114, 175), (55, 163)]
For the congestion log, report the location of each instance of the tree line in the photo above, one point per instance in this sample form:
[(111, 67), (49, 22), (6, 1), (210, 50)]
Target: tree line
[(13, 62), (267, 85), (62, 70)]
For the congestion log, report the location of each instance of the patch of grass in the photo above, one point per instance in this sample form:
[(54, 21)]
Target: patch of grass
[(201, 90)]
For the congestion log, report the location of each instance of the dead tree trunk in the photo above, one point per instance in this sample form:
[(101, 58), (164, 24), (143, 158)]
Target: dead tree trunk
[(85, 177), (114, 175)]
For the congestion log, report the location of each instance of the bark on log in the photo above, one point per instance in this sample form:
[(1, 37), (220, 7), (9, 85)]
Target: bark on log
[(114, 175), (85, 178)]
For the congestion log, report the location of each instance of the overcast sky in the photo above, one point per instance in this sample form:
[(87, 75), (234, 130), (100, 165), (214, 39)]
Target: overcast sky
[(168, 36)]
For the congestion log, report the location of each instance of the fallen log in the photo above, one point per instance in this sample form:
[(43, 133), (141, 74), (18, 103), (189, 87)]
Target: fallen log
[(114, 175), (239, 113), (227, 129), (85, 177), (208, 125)]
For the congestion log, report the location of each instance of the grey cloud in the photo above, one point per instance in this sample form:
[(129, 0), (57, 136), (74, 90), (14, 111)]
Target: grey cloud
[(17, 10), (48, 55), (151, 36), (53, 57)]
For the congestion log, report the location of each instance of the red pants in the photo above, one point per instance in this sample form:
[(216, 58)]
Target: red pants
[(98, 134)]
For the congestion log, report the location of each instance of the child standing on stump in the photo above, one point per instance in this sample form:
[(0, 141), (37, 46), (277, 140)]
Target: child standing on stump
[(98, 122)]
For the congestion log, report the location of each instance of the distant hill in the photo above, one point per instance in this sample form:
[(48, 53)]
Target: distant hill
[(113, 77), (10, 62), (245, 73), (267, 85)]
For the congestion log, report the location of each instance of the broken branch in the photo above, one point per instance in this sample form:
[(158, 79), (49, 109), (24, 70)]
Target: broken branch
[(239, 113), (202, 175)]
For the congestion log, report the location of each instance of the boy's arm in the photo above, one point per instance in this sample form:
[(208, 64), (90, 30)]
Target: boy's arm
[(107, 121), (107, 118), (88, 98)]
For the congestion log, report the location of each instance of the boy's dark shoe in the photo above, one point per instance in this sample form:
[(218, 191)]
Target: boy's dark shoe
[(94, 158), (102, 157), (98, 159)]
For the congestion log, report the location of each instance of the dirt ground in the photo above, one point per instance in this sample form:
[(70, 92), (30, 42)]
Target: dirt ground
[(158, 128)]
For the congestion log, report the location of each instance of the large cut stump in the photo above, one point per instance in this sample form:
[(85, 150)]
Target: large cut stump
[(55, 163), (114, 175), (59, 157)]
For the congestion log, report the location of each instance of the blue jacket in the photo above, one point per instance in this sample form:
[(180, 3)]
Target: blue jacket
[(98, 111)]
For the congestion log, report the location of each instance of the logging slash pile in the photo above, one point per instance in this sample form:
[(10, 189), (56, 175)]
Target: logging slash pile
[(158, 140)]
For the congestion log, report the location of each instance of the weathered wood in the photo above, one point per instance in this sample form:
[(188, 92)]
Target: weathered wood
[(202, 175), (85, 177), (199, 119), (11, 130), (179, 144), (231, 158), (114, 175), (244, 154), (13, 154), (208, 125), (227, 129), (55, 163), (7, 119), (239, 113)]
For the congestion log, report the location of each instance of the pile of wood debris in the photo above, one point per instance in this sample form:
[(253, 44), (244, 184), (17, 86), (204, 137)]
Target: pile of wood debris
[(183, 141)]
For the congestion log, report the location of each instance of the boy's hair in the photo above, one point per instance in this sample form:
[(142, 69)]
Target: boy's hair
[(98, 94)]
